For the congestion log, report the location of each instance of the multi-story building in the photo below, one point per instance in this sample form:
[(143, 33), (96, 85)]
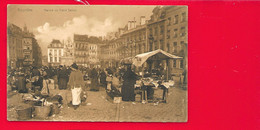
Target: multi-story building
[(81, 49), (177, 37), (86, 49), (128, 42), (134, 40), (68, 57), (23, 49), (32, 53), (36, 53), (103, 55), (55, 52), (14, 46), (93, 53), (166, 30)]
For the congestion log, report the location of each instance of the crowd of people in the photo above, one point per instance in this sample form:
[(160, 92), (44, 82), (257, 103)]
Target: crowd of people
[(76, 79), (72, 78)]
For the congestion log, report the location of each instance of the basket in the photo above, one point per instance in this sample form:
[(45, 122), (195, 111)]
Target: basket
[(55, 109), (24, 114), (41, 112)]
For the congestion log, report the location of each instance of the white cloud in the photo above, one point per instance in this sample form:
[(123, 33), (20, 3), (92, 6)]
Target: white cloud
[(78, 25)]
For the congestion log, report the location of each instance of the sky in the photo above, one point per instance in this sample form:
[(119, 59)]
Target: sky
[(60, 22)]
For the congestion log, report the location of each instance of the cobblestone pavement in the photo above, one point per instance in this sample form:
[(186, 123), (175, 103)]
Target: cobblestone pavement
[(100, 108)]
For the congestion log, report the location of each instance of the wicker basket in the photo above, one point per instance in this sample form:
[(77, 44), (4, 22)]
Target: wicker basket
[(42, 112), (24, 114)]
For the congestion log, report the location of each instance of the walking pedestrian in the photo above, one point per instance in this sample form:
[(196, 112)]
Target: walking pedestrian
[(76, 82)]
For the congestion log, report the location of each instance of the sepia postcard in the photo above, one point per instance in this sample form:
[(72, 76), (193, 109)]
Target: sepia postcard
[(101, 63)]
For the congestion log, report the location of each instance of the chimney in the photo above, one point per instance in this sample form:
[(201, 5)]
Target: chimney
[(129, 25), (134, 23), (142, 20)]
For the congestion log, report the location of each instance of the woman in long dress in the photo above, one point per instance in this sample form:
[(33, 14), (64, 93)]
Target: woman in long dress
[(63, 78), (76, 83), (94, 80), (128, 85), (103, 77)]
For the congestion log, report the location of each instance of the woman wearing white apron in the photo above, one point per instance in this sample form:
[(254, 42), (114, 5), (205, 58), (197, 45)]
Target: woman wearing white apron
[(76, 82)]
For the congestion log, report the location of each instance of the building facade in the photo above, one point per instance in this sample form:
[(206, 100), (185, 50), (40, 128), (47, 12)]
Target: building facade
[(68, 57), (55, 52), (14, 46), (81, 49), (22, 48), (93, 54), (103, 55), (32, 53), (166, 30), (177, 38)]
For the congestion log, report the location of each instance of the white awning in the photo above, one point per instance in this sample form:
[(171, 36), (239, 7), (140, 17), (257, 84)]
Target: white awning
[(159, 54)]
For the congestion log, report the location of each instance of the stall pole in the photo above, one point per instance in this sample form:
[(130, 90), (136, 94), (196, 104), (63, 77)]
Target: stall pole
[(167, 69)]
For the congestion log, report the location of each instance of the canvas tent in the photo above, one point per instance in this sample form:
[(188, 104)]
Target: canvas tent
[(159, 54)]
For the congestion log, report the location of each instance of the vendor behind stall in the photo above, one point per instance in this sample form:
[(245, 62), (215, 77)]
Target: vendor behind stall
[(128, 85)]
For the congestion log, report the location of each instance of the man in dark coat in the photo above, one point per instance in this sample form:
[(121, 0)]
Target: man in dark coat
[(103, 77), (63, 78), (94, 80), (128, 85)]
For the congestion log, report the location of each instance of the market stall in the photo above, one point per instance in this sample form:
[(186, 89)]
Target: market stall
[(147, 83)]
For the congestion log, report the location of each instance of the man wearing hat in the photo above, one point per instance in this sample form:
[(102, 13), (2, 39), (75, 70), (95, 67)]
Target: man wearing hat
[(76, 83)]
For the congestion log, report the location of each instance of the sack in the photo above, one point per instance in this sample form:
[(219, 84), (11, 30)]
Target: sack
[(76, 96)]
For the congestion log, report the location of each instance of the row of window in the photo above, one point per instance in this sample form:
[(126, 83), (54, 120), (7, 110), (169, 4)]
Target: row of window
[(136, 38), (176, 18), (56, 45), (93, 47), (85, 46), (55, 59), (55, 53)]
